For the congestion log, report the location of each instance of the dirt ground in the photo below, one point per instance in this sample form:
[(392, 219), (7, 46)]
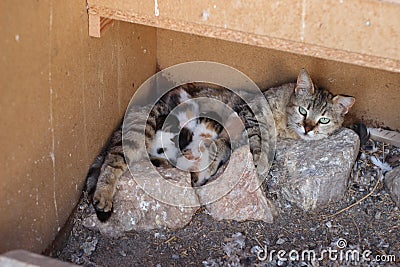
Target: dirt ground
[(334, 233)]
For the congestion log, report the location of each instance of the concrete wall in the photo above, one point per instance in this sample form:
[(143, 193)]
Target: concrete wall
[(61, 94)]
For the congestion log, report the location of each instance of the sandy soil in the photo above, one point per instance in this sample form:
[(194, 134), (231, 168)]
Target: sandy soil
[(370, 225)]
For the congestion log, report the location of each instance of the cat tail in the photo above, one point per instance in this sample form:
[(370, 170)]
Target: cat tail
[(95, 168)]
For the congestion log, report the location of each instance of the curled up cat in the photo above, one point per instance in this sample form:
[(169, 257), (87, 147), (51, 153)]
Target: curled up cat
[(198, 137)]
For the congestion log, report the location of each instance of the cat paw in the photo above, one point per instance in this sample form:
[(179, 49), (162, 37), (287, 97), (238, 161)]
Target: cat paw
[(103, 201), (189, 155), (198, 179)]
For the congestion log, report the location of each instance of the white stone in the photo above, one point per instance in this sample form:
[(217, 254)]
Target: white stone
[(306, 178), (134, 209)]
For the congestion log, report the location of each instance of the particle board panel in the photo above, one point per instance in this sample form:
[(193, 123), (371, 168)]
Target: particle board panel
[(360, 32), (62, 93), (98, 25)]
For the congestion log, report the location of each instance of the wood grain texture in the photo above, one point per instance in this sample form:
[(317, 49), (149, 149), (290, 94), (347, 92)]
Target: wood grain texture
[(369, 39), (386, 136)]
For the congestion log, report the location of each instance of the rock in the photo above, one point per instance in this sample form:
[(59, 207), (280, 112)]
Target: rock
[(281, 241), (236, 194), (315, 173), (310, 174), (143, 201), (392, 183), (171, 202)]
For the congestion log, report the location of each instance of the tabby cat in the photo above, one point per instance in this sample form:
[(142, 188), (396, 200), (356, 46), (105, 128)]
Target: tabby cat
[(199, 142)]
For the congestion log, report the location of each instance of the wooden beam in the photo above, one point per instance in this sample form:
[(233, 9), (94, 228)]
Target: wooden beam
[(369, 39), (98, 25)]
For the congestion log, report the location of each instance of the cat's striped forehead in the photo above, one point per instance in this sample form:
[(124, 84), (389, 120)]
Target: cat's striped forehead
[(320, 102)]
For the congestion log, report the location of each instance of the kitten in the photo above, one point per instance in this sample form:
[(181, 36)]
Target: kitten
[(206, 151), (300, 110), (175, 130), (163, 148), (194, 148)]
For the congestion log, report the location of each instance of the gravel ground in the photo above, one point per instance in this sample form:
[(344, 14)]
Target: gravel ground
[(365, 221)]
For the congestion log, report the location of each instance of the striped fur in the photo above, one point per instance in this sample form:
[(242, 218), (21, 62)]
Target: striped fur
[(206, 151), (299, 110)]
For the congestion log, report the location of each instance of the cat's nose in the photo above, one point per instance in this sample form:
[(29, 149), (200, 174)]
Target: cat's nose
[(307, 128)]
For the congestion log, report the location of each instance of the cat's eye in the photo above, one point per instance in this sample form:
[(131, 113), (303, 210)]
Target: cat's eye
[(324, 120), (303, 111)]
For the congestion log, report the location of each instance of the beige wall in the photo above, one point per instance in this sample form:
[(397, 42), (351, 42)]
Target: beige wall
[(377, 92), (61, 94)]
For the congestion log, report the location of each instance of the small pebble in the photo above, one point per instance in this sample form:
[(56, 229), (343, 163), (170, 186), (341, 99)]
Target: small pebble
[(160, 236), (378, 215), (328, 224), (256, 249), (175, 256), (281, 263), (280, 241)]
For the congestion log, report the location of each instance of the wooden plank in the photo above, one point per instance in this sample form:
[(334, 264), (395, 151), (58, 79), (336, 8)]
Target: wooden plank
[(94, 25), (98, 25), (205, 18), (386, 136)]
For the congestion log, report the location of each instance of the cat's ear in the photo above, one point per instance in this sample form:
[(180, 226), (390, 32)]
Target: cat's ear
[(175, 139), (304, 84), (344, 102)]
